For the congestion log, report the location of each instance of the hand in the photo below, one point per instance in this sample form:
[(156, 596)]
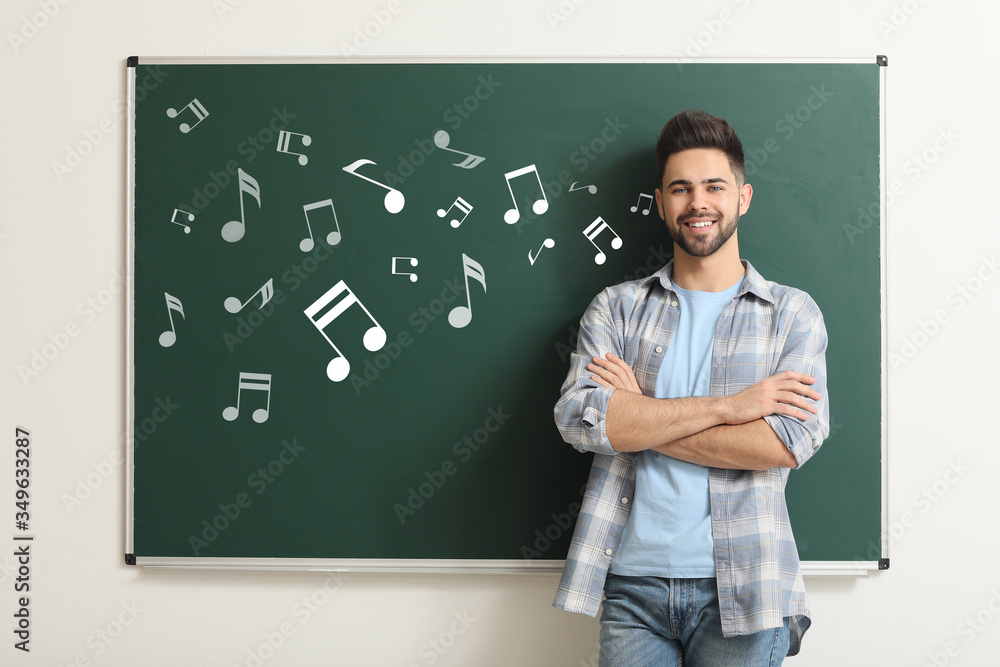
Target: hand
[(613, 373), (782, 394)]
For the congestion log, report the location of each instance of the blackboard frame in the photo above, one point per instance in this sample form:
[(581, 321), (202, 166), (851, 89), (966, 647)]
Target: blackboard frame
[(859, 567)]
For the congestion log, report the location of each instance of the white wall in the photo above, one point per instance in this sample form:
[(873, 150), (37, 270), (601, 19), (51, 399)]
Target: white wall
[(62, 243)]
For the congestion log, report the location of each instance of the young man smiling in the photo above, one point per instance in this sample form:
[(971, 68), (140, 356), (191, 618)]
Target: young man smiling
[(697, 388)]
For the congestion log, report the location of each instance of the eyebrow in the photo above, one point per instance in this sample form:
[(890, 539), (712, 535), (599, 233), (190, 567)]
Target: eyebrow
[(707, 181)]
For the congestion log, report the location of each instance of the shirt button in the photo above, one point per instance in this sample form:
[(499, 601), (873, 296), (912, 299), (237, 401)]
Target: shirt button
[(673, 303), (624, 501), (659, 348), (609, 552)]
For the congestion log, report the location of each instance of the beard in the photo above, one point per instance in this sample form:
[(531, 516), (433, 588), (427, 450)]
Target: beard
[(698, 246)]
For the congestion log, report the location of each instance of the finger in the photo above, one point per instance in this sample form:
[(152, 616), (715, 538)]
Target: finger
[(798, 388), (602, 382), (794, 375), (799, 402)]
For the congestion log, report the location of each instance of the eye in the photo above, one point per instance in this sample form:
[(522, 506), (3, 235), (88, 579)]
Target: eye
[(716, 188), (679, 191)]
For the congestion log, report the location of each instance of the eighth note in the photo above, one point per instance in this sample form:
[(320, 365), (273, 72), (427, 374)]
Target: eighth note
[(234, 306), (540, 206), (463, 206), (645, 211), (412, 262), (393, 201), (333, 238), (168, 338), (592, 189), (234, 230), (284, 137), (251, 382), (460, 316), (549, 243), (197, 109), (190, 217), (595, 228)]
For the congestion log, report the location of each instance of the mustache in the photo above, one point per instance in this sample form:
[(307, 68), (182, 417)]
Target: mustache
[(712, 216)]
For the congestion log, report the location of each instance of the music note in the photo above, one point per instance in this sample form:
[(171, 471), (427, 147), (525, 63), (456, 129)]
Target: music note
[(549, 243), (374, 338), (590, 188), (233, 230), (595, 228), (460, 316), (190, 216), (251, 382), (463, 206), (333, 238), (234, 306), (168, 338), (393, 199), (540, 206), (413, 263), (646, 210), (284, 137), (442, 139), (197, 109)]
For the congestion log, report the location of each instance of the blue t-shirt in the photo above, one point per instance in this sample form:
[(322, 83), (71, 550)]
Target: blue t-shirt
[(669, 529)]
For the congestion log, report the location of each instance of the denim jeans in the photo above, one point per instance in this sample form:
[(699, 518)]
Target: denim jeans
[(651, 621)]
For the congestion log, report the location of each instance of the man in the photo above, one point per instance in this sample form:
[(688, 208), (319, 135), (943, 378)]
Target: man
[(697, 388)]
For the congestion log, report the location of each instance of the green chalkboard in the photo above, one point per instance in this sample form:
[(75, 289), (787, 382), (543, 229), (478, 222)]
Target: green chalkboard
[(383, 415)]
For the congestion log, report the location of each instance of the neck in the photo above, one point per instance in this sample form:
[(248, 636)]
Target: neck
[(715, 273)]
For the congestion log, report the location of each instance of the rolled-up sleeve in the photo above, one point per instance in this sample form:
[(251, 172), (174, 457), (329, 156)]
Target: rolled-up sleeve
[(804, 351), (582, 408)]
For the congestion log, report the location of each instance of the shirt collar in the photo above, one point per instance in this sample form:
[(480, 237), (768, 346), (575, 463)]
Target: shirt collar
[(752, 281)]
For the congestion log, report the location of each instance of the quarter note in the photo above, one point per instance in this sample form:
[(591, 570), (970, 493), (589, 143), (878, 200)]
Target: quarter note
[(442, 139), (251, 382), (285, 137), (393, 199), (168, 338), (190, 217), (645, 211), (463, 206), (234, 306), (595, 228), (460, 316), (197, 108), (540, 206), (333, 238), (549, 243), (592, 189), (233, 230), (321, 315), (412, 262)]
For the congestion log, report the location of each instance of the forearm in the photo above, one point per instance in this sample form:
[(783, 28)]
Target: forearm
[(750, 446), (635, 422)]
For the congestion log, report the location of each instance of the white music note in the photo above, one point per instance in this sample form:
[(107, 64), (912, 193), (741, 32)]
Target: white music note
[(442, 139), (595, 228), (549, 243), (460, 316), (168, 338), (590, 188), (233, 305), (540, 206), (197, 109), (285, 137), (251, 382), (394, 200), (646, 210), (339, 367), (190, 217), (413, 263), (333, 238), (463, 206), (233, 230)]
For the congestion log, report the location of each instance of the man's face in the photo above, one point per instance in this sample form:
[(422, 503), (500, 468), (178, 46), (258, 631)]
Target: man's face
[(701, 201)]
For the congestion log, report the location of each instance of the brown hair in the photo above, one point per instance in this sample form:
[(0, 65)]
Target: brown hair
[(697, 129)]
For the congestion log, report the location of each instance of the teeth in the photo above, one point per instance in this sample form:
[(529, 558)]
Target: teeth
[(701, 224)]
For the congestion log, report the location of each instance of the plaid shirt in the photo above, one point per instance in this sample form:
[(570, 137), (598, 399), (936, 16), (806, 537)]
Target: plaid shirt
[(768, 328)]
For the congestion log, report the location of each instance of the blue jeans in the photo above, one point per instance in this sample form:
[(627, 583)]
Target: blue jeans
[(654, 621)]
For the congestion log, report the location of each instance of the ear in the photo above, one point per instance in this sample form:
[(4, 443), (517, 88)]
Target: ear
[(659, 204), (746, 194)]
